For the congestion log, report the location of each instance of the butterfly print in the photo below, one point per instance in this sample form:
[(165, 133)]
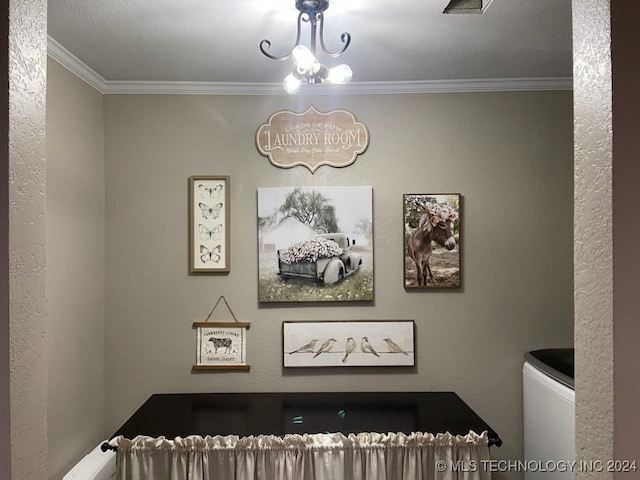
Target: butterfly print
[(213, 234), (212, 255), (210, 192), (210, 212)]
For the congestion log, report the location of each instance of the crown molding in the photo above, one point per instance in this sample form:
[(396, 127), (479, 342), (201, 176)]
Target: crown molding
[(355, 88), (108, 87), (76, 66)]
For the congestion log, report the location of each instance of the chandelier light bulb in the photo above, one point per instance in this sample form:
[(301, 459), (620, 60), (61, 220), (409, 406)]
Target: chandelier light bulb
[(303, 58), (292, 84), (341, 74)]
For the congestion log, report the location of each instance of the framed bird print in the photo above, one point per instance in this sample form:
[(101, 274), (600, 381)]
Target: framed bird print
[(361, 343), (209, 224)]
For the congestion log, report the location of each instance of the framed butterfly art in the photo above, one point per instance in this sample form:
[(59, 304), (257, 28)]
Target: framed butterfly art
[(209, 224)]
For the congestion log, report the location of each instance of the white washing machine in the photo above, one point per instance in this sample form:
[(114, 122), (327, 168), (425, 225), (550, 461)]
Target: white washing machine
[(549, 414), (96, 465)]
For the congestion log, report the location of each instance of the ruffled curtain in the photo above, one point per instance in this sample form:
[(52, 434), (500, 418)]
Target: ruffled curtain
[(329, 456)]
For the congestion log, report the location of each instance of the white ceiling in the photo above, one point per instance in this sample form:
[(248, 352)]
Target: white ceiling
[(392, 40)]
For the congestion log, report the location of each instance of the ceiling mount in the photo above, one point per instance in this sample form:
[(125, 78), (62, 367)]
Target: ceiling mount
[(311, 6), (307, 67)]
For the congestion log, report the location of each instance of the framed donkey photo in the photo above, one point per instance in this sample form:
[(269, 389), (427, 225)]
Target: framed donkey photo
[(432, 240)]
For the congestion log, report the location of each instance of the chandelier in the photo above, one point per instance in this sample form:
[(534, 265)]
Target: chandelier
[(307, 68)]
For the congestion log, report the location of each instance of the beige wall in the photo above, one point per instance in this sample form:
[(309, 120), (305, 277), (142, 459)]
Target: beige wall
[(76, 280), (509, 154)]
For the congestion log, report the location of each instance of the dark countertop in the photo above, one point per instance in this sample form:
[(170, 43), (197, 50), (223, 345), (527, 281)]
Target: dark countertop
[(245, 414)]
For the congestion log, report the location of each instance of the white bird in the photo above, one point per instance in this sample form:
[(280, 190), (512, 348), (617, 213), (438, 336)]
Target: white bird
[(366, 347), (326, 346), (349, 347), (394, 347), (306, 348)]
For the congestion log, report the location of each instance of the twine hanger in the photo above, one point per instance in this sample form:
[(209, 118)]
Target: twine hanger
[(228, 307)]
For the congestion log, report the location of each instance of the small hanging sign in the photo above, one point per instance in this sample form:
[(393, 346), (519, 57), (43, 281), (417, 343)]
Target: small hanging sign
[(221, 345), (312, 139)]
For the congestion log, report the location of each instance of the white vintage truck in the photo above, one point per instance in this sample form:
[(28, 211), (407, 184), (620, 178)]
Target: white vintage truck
[(328, 258)]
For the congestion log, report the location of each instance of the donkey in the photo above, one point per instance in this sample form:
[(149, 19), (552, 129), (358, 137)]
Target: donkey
[(420, 247)]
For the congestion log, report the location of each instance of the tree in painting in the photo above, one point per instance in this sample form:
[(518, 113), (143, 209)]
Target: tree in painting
[(311, 208)]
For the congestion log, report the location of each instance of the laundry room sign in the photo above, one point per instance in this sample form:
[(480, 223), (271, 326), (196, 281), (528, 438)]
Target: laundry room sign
[(312, 139)]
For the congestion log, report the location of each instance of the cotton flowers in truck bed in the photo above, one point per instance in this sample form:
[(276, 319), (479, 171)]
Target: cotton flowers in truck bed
[(310, 251)]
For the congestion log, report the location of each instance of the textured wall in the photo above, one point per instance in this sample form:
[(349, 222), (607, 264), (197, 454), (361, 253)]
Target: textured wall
[(27, 275), (509, 154), (593, 233), (75, 260)]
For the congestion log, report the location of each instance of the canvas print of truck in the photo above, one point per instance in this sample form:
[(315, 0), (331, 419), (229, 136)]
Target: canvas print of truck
[(315, 244)]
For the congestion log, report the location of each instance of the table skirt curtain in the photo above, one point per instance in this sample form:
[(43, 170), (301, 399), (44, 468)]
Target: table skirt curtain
[(327, 456)]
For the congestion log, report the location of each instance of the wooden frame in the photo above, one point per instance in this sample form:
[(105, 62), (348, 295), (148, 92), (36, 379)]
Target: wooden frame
[(361, 343), (221, 346), (209, 246), (433, 263)]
